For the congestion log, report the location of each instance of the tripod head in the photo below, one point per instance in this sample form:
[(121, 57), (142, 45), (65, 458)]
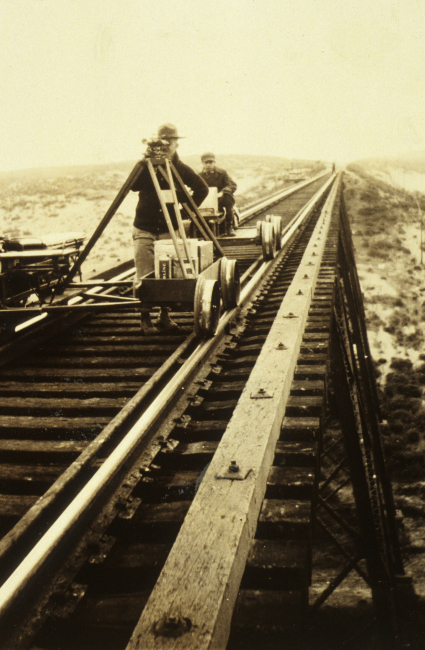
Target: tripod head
[(156, 147)]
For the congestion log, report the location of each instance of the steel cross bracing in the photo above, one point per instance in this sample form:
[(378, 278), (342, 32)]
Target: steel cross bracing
[(353, 454)]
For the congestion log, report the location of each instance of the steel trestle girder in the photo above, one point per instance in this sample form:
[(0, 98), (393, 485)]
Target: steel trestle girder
[(357, 409)]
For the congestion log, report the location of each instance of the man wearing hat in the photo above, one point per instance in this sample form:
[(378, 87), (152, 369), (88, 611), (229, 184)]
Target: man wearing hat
[(216, 177), (149, 222)]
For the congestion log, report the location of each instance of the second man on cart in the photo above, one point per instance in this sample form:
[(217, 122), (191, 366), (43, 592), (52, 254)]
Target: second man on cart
[(216, 177)]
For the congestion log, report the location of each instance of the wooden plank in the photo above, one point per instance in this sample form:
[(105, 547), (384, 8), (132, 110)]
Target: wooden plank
[(229, 389), (277, 564), (304, 406), (136, 556), (42, 446), (304, 387), (116, 349), (315, 336), (285, 519), (293, 454), (172, 486), (200, 580), (15, 505), (309, 359), (50, 425), (99, 362), (152, 522), (221, 410), (132, 338), (111, 611), (31, 473), (309, 372), (314, 346), (188, 455), (290, 482), (41, 389), (301, 428), (38, 404), (66, 374)]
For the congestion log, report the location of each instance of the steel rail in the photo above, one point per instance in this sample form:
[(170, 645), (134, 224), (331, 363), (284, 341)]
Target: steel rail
[(35, 561), (262, 205), (285, 230)]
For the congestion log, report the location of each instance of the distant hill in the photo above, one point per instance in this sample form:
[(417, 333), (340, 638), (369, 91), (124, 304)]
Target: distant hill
[(230, 161), (414, 162), (39, 173), (406, 172)]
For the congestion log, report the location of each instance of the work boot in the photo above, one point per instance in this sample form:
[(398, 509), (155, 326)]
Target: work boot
[(164, 321), (146, 325), (230, 231)]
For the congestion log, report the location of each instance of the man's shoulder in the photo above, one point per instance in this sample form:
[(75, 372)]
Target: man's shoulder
[(220, 170), (179, 164)]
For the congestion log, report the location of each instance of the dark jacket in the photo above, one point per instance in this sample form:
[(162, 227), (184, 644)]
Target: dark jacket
[(149, 215), (221, 180)]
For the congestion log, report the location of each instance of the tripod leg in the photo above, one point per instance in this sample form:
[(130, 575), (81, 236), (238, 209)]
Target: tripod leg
[(167, 217), (179, 217)]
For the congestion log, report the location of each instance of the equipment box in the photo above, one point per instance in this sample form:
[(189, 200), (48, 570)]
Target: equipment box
[(176, 271), (167, 263), (205, 254)]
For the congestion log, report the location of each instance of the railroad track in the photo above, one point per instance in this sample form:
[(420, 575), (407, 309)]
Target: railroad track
[(84, 390)]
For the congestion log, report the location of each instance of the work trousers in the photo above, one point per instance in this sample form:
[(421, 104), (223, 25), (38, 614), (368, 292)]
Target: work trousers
[(227, 201), (143, 243)]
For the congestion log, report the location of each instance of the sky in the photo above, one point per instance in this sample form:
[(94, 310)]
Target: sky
[(83, 81)]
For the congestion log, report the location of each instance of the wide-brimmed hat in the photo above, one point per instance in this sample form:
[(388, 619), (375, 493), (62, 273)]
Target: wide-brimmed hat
[(167, 131), (208, 156)]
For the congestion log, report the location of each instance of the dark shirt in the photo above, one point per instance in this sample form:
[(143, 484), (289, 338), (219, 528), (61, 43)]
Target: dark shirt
[(149, 215), (221, 180)]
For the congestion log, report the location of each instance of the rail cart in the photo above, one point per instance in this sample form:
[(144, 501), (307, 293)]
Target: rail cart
[(197, 288), (203, 291)]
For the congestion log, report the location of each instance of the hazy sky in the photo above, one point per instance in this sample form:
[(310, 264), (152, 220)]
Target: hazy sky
[(83, 81)]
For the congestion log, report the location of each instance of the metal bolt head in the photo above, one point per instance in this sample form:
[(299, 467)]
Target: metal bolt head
[(233, 467)]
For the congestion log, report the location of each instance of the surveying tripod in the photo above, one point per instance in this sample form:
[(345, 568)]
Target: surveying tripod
[(204, 293), (156, 165)]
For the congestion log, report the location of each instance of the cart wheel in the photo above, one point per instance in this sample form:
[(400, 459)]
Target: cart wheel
[(206, 306), (277, 223), (259, 227), (268, 241), (230, 283)]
